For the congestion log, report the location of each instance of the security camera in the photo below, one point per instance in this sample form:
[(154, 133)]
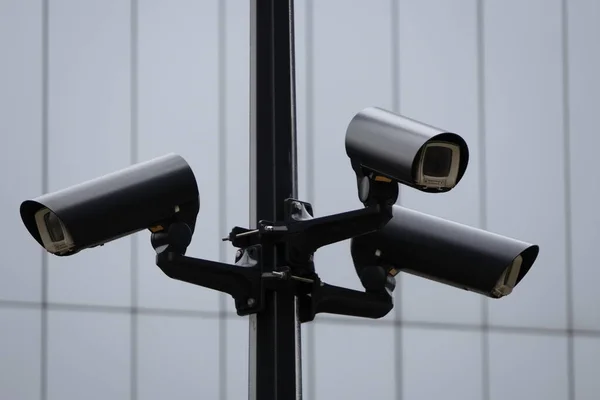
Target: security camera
[(396, 148), (442, 251), (148, 195)]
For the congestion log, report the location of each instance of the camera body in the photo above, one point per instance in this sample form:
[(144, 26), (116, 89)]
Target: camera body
[(444, 251), (146, 195), (406, 151)]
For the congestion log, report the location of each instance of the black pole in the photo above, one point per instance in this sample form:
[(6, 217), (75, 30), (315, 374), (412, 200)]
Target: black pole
[(275, 363)]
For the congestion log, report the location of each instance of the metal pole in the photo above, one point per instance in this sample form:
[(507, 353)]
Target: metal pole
[(275, 363)]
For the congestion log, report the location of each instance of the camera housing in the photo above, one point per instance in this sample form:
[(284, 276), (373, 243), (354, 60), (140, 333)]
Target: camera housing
[(147, 195), (442, 251), (406, 151)]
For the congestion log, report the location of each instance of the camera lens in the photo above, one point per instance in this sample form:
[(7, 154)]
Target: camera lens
[(54, 227), (437, 161), (509, 278)]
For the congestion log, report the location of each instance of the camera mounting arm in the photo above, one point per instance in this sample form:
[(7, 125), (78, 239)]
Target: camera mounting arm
[(246, 282), (299, 236), (303, 234), (242, 281), (329, 299)]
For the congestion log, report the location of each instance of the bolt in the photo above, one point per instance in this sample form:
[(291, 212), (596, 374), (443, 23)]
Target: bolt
[(296, 205), (238, 254), (268, 228), (301, 279), (251, 301), (377, 253), (279, 274)]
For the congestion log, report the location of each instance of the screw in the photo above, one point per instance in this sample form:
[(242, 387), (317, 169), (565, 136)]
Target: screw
[(238, 254), (251, 302), (248, 233), (297, 205), (279, 274), (268, 228), (301, 279), (377, 253)]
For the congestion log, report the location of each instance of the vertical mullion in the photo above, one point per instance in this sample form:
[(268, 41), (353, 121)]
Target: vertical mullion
[(134, 158), (481, 124), (45, 148), (395, 78), (222, 128), (567, 197)]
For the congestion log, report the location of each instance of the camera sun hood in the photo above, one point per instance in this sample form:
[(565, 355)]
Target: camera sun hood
[(403, 150), (135, 198)]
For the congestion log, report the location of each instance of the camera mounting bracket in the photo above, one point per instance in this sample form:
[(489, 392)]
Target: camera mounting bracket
[(241, 280), (296, 239)]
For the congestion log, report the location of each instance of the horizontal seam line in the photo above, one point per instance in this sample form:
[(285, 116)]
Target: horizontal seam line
[(319, 319)]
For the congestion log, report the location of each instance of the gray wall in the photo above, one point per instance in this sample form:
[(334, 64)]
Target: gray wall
[(90, 86)]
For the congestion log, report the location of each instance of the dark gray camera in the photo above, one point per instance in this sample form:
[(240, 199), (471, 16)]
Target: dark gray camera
[(442, 251), (148, 195), (406, 151)]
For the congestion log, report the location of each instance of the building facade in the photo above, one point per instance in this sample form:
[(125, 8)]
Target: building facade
[(88, 87)]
